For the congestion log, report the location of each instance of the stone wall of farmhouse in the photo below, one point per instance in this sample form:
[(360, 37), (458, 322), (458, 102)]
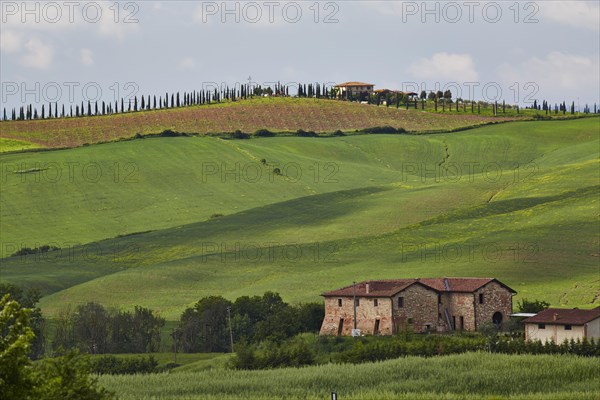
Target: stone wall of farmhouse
[(460, 312), (496, 298), (368, 312), (418, 311)]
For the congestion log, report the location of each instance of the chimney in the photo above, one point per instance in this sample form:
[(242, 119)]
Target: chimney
[(446, 284), (555, 317), (367, 287)]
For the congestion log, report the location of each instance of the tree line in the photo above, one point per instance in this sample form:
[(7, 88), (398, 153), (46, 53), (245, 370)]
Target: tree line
[(211, 325), (214, 323), (440, 98)]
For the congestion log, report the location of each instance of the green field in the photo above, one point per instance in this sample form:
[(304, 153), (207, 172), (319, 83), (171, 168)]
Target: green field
[(466, 376), (516, 201)]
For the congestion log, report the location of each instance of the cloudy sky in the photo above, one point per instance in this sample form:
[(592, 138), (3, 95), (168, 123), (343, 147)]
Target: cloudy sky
[(518, 51)]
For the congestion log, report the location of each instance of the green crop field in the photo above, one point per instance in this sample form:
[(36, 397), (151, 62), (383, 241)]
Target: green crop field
[(161, 222), (466, 376)]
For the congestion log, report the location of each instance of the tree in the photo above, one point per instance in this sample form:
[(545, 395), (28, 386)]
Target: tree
[(535, 306), (64, 377), (17, 378), (90, 326), (423, 95), (29, 299), (204, 328)]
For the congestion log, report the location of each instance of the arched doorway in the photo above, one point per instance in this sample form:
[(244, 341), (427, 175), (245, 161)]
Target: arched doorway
[(497, 318)]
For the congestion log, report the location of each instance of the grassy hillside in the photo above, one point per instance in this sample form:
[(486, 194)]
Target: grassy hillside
[(275, 114), (517, 201), (466, 376)]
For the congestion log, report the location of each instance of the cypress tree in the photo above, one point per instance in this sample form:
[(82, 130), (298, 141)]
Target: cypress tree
[(89, 111), (154, 102), (43, 113), (4, 114), (95, 108), (143, 103)]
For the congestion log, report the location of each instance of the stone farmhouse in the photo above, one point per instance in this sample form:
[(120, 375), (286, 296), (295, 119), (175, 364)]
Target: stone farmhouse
[(384, 307), (558, 325), (354, 89)]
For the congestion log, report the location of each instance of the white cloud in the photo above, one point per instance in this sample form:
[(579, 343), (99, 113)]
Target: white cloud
[(579, 14), (446, 67), (187, 63), (10, 41), (557, 72), (87, 57), (39, 55)]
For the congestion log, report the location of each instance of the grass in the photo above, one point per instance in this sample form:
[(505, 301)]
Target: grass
[(466, 376), (11, 145), (364, 207), (275, 114)]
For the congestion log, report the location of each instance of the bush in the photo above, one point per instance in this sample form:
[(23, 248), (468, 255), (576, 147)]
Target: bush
[(111, 365), (303, 133), (384, 129), (170, 133), (339, 133), (240, 135), (264, 133)]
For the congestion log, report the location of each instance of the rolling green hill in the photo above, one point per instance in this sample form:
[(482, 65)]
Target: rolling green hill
[(516, 201), (282, 114)]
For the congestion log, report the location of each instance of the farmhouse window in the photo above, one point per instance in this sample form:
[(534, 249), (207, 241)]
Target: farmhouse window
[(568, 327), (400, 302), (480, 298), (375, 303), (339, 302), (541, 326), (357, 302), (439, 299), (410, 320)]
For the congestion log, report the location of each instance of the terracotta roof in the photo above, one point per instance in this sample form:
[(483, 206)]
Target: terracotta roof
[(458, 284), (562, 316), (388, 288), (380, 288), (354, 84)]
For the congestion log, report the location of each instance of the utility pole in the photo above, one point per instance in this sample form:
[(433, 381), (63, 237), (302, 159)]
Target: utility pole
[(230, 330), (174, 346), (354, 300)]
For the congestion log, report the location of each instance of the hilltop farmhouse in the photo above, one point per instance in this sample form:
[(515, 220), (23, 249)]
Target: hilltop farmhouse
[(354, 89), (558, 324), (384, 307)]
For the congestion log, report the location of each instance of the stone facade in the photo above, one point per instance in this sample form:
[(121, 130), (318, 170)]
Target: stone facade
[(419, 311), (339, 312), (417, 306)]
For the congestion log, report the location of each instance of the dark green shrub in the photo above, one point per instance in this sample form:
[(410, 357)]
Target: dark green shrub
[(264, 133), (384, 129)]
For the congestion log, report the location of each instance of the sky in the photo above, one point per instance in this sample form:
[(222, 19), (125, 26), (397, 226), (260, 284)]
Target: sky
[(518, 51)]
